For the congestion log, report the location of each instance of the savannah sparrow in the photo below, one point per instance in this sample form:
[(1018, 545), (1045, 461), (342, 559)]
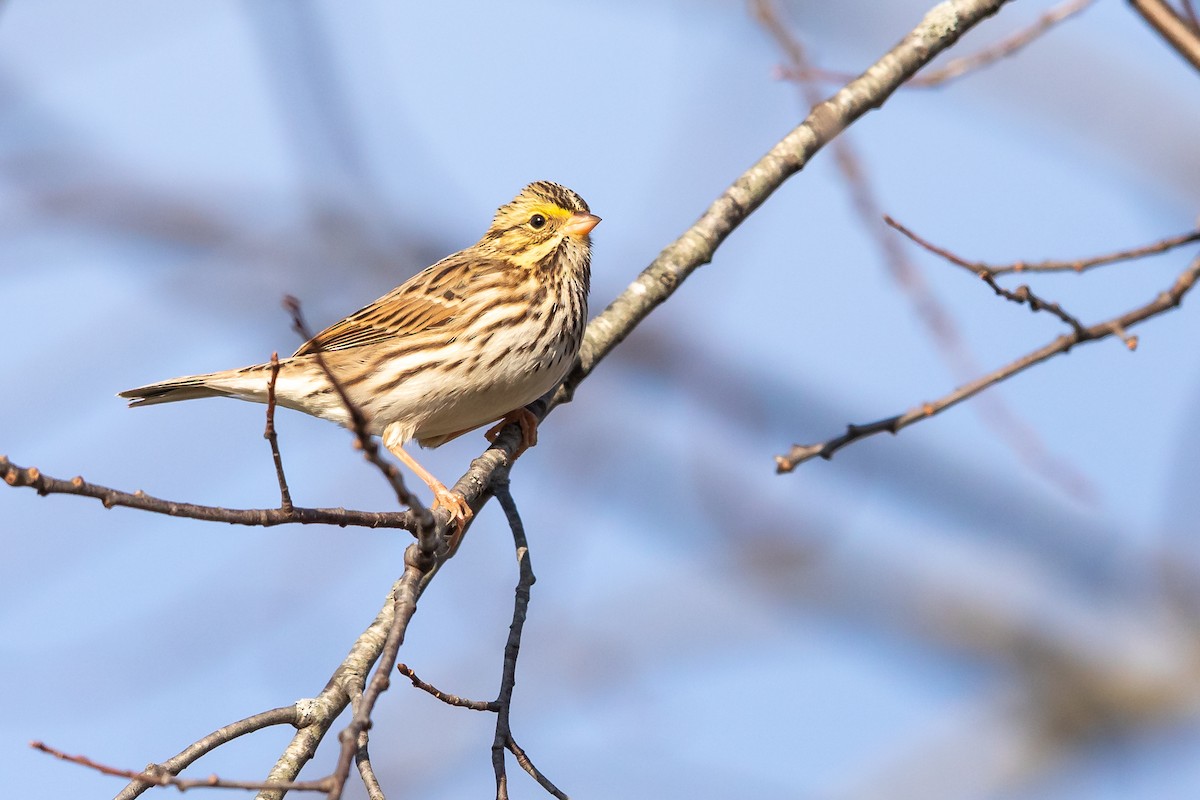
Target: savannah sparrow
[(468, 341)]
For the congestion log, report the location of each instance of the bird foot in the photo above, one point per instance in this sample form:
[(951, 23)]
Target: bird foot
[(529, 427), (460, 513)]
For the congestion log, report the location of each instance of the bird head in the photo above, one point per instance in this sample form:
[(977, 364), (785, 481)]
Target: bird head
[(543, 220)]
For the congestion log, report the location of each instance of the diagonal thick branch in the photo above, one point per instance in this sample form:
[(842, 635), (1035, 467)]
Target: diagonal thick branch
[(1173, 28)]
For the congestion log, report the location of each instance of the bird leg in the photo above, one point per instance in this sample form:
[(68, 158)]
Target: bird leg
[(529, 425), (460, 510)]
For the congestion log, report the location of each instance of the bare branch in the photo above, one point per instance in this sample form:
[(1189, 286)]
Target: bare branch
[(364, 440), (154, 777), (1075, 265), (1173, 28), (1167, 300), (1023, 295), (940, 325), (448, 699), (379, 642), (266, 517), (508, 679), (288, 715), (533, 771), (285, 496)]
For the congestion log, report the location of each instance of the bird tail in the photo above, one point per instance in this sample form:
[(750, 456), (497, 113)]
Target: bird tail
[(248, 384)]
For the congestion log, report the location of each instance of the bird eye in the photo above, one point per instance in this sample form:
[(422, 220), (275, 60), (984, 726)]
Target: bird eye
[(537, 222)]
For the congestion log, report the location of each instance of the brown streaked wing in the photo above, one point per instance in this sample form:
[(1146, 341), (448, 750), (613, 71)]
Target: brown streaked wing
[(426, 301)]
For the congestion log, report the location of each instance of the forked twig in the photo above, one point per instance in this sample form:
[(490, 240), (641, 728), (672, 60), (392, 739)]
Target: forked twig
[(502, 705), (939, 324), (1167, 300), (508, 678)]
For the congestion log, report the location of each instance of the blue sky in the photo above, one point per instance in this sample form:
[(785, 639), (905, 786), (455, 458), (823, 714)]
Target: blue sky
[(700, 626)]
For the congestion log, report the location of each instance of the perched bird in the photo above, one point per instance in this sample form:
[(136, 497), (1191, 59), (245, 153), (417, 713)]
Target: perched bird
[(469, 341)]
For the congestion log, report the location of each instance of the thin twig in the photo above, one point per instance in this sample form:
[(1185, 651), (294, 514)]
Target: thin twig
[(508, 678), (445, 697), (1075, 265), (1167, 300), (44, 484), (425, 522), (939, 324), (1023, 295), (1184, 38), (154, 777), (285, 496)]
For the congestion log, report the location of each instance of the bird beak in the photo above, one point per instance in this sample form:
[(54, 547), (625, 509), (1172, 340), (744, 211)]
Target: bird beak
[(581, 224)]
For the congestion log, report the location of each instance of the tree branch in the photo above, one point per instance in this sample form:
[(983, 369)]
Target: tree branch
[(446, 697), (1167, 300), (1172, 27), (512, 647), (363, 439), (285, 496), (43, 484)]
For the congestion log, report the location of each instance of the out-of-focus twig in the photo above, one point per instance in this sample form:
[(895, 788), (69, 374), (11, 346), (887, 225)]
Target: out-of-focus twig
[(1074, 265), (1189, 11), (154, 777), (958, 67)]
